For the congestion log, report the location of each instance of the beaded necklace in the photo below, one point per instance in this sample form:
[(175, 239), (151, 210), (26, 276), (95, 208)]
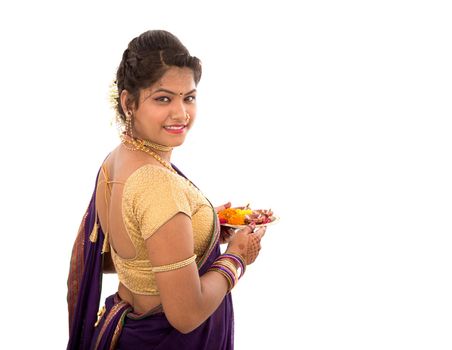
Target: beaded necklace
[(138, 145)]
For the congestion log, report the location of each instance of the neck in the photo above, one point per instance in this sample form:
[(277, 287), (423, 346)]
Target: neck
[(164, 152), (156, 146), (151, 144), (165, 155)]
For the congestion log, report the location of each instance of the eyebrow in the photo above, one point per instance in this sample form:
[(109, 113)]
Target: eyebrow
[(172, 92)]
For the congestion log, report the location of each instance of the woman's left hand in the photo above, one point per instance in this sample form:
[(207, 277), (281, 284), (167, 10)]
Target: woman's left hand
[(225, 232)]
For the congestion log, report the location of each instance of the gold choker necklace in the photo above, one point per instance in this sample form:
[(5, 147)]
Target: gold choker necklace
[(157, 146), (150, 144), (138, 145)]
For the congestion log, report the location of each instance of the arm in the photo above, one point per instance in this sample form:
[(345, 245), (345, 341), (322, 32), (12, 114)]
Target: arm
[(187, 299)]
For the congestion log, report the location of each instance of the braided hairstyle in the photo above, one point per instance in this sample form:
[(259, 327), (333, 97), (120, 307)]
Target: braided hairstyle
[(146, 60)]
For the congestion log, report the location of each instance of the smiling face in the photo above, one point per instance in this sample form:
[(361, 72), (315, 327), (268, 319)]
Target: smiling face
[(161, 116)]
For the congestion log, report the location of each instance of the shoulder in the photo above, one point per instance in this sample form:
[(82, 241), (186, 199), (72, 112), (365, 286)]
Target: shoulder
[(150, 178), (151, 173), (153, 195)]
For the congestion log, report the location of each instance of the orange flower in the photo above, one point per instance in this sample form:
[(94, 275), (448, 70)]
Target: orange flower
[(237, 219), (226, 213), (234, 216)]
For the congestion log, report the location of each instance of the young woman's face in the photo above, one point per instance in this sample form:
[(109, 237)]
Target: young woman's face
[(167, 109)]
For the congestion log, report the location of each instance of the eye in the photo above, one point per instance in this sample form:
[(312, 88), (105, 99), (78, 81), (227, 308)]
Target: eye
[(163, 99), (190, 99)]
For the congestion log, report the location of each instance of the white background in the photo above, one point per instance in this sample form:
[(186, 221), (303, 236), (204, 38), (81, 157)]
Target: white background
[(336, 114)]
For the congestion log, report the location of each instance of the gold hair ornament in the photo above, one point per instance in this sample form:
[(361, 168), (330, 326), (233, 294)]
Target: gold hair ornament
[(113, 97)]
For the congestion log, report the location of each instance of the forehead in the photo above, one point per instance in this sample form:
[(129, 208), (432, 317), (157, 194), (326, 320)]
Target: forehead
[(176, 78)]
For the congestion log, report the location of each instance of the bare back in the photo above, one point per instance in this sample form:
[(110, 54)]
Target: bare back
[(116, 169)]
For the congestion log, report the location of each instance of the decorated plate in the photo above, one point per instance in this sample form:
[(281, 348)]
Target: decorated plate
[(240, 217), (274, 219)]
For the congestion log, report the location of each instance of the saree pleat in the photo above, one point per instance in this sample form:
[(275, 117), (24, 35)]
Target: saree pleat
[(119, 328), (85, 280), (108, 330)]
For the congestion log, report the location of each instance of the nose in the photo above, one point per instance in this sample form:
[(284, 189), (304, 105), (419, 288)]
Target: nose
[(178, 112)]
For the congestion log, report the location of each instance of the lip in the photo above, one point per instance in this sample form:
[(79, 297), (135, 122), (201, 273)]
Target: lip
[(178, 129)]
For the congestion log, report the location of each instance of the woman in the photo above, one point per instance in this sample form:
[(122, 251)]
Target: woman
[(151, 225)]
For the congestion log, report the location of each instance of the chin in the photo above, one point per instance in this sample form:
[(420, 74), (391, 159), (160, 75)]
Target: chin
[(177, 143), (173, 140)]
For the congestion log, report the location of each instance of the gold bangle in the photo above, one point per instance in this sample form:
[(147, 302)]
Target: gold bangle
[(229, 265), (174, 266), (232, 276), (228, 278)]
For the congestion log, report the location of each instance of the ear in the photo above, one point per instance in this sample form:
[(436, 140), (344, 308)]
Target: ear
[(126, 104)]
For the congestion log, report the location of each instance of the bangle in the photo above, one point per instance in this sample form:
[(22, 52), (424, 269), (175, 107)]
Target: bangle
[(174, 266), (227, 268), (239, 260), (226, 274)]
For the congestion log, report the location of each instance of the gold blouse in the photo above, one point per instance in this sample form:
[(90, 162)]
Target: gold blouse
[(152, 195)]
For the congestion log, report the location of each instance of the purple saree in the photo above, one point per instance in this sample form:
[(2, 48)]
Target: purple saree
[(118, 327)]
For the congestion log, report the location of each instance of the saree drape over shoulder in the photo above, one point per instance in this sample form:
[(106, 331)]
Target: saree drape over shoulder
[(116, 326)]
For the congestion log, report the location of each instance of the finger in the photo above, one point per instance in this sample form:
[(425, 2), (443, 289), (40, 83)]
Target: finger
[(250, 228), (223, 207), (261, 232)]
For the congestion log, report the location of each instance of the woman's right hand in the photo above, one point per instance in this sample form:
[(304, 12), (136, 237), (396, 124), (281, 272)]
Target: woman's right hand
[(247, 243)]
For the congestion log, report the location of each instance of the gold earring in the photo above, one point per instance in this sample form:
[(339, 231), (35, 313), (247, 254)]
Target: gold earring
[(129, 130)]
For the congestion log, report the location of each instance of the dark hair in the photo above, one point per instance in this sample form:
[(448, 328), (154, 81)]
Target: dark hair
[(145, 61)]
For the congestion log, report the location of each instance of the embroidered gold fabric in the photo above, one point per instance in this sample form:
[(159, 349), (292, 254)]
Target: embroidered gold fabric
[(152, 195)]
